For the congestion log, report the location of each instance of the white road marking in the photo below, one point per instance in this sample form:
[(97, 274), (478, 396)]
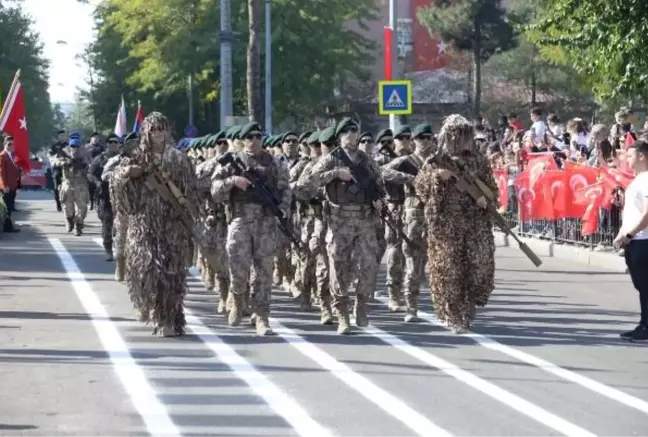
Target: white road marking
[(507, 398), (278, 400), (153, 412), (376, 395), (568, 375), (386, 401)]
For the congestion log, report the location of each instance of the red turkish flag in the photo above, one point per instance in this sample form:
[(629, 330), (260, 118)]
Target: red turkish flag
[(13, 122), (430, 53)]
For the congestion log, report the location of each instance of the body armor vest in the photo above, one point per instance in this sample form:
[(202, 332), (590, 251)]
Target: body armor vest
[(264, 165), (339, 192)]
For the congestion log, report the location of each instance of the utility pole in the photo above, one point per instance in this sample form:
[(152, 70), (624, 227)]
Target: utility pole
[(190, 96), (268, 67), (393, 119), (226, 39)]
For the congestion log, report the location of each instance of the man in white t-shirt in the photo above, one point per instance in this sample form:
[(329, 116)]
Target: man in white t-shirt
[(539, 128), (634, 234)]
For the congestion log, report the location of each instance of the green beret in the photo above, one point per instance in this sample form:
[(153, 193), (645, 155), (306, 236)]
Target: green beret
[(384, 133), (288, 134), (346, 122), (422, 129), (365, 135), (328, 134), (246, 129), (403, 129), (220, 135), (266, 140), (313, 139), (201, 142), (233, 132), (304, 136), (211, 141), (276, 141)]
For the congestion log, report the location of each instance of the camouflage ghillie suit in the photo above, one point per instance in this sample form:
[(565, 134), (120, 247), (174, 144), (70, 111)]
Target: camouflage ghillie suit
[(73, 192), (158, 245), (120, 219), (252, 231), (213, 228), (351, 237), (461, 248)]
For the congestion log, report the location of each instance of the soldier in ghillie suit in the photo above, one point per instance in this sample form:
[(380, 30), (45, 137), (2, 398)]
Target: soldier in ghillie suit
[(158, 245), (252, 230), (120, 218), (461, 248)]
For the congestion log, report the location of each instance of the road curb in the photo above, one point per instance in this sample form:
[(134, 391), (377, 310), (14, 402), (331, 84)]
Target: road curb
[(548, 249)]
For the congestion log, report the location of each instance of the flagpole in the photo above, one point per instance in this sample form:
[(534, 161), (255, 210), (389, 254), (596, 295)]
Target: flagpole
[(3, 114)]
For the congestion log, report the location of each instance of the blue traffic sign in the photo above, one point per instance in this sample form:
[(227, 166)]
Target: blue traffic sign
[(395, 97)]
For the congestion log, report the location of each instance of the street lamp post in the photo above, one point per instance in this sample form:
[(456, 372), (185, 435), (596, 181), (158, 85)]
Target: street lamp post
[(268, 67)]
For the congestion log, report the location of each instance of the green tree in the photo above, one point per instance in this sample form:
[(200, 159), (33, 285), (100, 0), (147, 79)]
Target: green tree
[(147, 50), (20, 48), (605, 41), (478, 26)]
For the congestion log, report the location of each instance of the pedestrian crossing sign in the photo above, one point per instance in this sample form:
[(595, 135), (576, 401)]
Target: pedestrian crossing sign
[(395, 97)]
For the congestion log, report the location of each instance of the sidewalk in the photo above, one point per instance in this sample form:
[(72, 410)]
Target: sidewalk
[(610, 261)]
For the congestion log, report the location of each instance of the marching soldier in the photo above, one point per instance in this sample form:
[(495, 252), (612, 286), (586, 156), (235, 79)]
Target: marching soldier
[(73, 163), (120, 219), (61, 143), (252, 231), (93, 149), (394, 241), (214, 223), (351, 236), (104, 207), (404, 169), (284, 271)]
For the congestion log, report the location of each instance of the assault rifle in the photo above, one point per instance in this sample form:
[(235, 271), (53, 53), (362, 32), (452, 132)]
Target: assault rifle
[(160, 182), (405, 166), (363, 181), (263, 194), (468, 182)]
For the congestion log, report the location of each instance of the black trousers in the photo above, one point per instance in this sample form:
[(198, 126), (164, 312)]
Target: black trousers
[(9, 200), (636, 256)]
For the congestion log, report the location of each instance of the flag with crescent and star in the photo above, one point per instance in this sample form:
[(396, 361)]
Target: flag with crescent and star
[(13, 121), (429, 53)]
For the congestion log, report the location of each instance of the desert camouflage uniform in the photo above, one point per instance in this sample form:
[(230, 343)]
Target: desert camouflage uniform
[(73, 192), (252, 235)]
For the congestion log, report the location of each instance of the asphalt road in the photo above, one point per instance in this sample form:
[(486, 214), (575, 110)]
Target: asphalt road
[(544, 357)]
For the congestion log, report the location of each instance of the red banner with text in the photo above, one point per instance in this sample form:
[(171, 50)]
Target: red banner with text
[(429, 53)]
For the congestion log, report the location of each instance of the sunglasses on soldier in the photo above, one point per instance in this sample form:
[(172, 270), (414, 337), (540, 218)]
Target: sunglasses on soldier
[(253, 137), (349, 130)]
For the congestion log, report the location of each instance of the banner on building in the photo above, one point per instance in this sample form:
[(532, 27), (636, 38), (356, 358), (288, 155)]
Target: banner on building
[(429, 53)]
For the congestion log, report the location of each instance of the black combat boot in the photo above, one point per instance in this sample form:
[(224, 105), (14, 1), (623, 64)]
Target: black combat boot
[(109, 251), (70, 224)]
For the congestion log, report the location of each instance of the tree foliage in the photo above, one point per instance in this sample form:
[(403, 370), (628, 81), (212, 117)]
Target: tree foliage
[(146, 49), (604, 40), (560, 85), (20, 48), (478, 26)]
